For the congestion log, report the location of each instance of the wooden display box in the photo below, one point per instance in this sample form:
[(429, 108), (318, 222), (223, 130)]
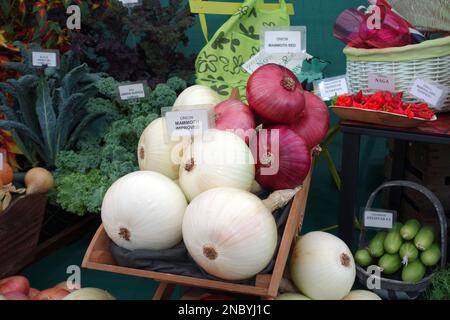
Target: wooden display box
[(20, 226), (428, 165), (98, 257)]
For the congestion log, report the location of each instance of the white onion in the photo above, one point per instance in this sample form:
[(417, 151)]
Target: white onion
[(144, 210), (216, 159), (256, 187), (89, 294), (292, 296), (361, 295), (198, 96), (155, 150), (322, 266), (230, 233)]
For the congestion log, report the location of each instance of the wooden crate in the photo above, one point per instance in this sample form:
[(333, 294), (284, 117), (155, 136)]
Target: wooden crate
[(426, 164), (431, 159), (441, 191), (20, 225), (99, 257)]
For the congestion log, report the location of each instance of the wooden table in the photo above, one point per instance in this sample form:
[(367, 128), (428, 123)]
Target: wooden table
[(437, 132)]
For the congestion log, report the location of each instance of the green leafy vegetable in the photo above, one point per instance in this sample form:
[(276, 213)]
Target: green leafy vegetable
[(84, 173)]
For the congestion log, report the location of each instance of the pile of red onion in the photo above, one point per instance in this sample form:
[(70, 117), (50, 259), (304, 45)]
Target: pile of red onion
[(294, 122)]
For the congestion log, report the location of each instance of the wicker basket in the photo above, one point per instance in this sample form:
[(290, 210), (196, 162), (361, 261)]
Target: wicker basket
[(427, 60), (429, 15), (395, 289)]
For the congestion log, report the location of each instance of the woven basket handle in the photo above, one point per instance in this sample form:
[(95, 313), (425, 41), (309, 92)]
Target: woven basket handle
[(431, 196)]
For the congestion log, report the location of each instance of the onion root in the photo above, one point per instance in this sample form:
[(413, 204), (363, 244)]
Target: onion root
[(280, 198)]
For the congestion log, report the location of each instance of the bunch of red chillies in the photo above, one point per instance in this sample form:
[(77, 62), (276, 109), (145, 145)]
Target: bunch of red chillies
[(385, 101)]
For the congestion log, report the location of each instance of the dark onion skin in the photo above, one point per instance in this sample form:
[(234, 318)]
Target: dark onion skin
[(315, 122), (275, 94), (294, 158), (233, 115)]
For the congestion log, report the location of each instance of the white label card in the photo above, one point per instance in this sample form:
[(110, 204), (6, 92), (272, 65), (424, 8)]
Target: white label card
[(328, 88), (292, 61), (128, 2), (432, 93), (132, 91), (187, 123), (1, 160), (379, 219), (44, 59), (381, 82), (283, 41)]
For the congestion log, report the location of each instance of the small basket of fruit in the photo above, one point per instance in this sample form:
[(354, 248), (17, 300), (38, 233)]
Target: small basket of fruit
[(406, 255)]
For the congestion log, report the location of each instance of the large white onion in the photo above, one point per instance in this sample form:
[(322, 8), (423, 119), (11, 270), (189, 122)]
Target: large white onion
[(197, 95), (256, 187), (144, 210), (89, 294), (292, 296), (230, 233), (156, 150), (216, 159), (361, 295), (322, 266)]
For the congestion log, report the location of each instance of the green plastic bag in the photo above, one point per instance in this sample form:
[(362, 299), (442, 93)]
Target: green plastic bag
[(218, 64)]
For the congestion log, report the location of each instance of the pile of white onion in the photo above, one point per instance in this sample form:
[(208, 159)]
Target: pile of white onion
[(157, 151), (231, 233), (216, 159), (322, 266), (144, 210), (196, 97)]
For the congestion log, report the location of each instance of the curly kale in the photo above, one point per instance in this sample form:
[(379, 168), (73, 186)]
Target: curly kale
[(107, 87), (139, 123), (112, 152), (108, 151), (162, 96), (81, 162), (117, 169), (101, 104), (81, 192), (176, 84)]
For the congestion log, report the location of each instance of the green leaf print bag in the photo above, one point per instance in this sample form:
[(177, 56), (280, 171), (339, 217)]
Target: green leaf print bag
[(218, 64)]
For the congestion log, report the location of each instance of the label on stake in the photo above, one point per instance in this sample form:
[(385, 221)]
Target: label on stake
[(381, 82), (187, 123), (284, 39), (379, 218), (131, 3), (132, 91), (330, 87), (431, 92), (45, 58)]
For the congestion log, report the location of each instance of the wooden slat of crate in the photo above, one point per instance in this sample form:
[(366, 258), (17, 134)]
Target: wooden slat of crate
[(409, 210), (431, 159), (99, 257), (20, 226), (441, 191)]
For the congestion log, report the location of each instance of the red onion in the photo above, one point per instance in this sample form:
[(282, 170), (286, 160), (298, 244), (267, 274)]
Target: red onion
[(52, 294), (236, 116), (15, 295), (283, 158), (313, 125), (275, 94), (33, 293), (14, 284)]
